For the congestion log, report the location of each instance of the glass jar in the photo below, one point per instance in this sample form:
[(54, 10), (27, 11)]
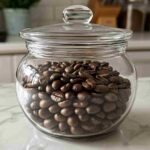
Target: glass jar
[(76, 80)]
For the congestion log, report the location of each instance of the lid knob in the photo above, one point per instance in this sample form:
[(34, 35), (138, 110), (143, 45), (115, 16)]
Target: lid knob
[(77, 14)]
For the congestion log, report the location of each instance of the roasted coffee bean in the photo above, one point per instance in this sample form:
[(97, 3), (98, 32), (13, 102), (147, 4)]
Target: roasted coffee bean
[(49, 89), (34, 105), (46, 73), (84, 74), (87, 86), (96, 120), (88, 126), (101, 80), (50, 123), (45, 103), (43, 95), (57, 96), (106, 123), (93, 109), (35, 97), (84, 117), (69, 96), (54, 109), (101, 89), (63, 126), (76, 80), (55, 76), (56, 84), (66, 112), (97, 100), (91, 82), (59, 118), (35, 112), (104, 73), (69, 69), (65, 103), (58, 70), (77, 87), (80, 111), (77, 66), (101, 115), (80, 104), (66, 87), (72, 121), (76, 130), (124, 94), (104, 64), (82, 96), (109, 107), (112, 116), (44, 113), (64, 79), (111, 97), (40, 88)]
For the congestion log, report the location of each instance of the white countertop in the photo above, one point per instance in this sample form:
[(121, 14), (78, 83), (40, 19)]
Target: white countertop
[(16, 133), (140, 41)]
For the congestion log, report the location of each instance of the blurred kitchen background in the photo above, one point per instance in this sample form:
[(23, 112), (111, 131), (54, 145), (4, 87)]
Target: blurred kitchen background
[(18, 14)]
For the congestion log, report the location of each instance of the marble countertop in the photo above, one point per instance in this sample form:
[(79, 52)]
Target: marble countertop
[(14, 44), (16, 133)]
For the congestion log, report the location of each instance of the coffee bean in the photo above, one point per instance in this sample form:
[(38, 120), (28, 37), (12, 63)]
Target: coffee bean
[(111, 97), (35, 113), (76, 130), (88, 126), (59, 118), (55, 76), (44, 113), (70, 96), (77, 66), (72, 121), (97, 100), (46, 73), (124, 94), (112, 116), (67, 112), (54, 109), (34, 105), (91, 82), (35, 97), (64, 79), (101, 115), (77, 87), (56, 84), (84, 117), (106, 124), (101, 88), (109, 107), (57, 96), (66, 87), (87, 86), (63, 126), (104, 73), (50, 123), (69, 69), (82, 96), (65, 103), (96, 120), (84, 74), (93, 109), (49, 89), (76, 80), (80, 111), (80, 104), (43, 95), (45, 103)]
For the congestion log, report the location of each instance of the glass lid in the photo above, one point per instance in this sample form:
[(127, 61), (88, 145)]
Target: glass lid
[(76, 29)]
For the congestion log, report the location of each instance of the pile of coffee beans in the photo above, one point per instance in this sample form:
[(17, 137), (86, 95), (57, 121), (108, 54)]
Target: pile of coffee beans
[(76, 98)]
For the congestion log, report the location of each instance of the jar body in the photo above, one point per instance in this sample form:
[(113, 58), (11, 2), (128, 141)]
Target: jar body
[(75, 96)]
